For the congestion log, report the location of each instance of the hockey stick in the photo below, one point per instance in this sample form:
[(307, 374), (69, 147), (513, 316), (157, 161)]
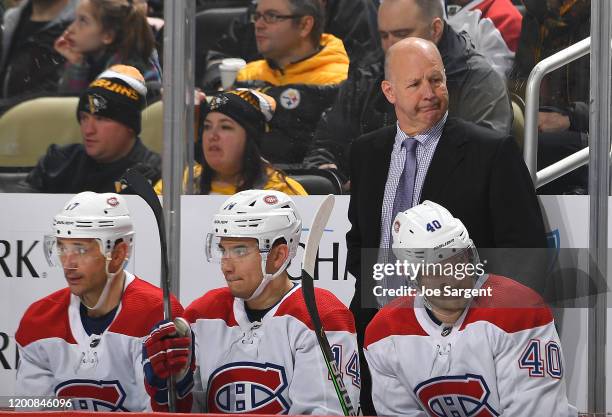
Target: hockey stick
[(137, 183), (308, 266)]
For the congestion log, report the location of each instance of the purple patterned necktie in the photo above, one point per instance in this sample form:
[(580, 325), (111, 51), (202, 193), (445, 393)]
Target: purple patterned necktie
[(405, 188)]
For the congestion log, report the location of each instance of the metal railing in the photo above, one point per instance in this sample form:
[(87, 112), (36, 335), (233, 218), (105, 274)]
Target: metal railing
[(532, 105), (599, 171)]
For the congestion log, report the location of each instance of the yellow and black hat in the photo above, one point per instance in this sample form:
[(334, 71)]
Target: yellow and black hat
[(118, 94)]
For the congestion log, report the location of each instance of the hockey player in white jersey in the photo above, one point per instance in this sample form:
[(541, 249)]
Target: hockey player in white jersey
[(255, 348), (441, 354), (84, 342)]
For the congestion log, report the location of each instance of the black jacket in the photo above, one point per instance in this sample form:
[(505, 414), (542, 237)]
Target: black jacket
[(476, 173), (35, 66), (476, 93), (68, 169), (291, 130)]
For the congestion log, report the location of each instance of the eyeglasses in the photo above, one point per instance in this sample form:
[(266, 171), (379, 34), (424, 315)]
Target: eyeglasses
[(271, 17), (78, 252), (236, 252)]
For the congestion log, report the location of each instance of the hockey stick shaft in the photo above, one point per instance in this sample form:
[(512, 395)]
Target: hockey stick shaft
[(139, 185), (308, 266)]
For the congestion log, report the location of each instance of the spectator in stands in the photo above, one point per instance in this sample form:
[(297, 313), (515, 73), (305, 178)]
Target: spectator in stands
[(352, 21), (83, 342), (234, 124), (476, 172), (477, 93), (301, 70), (105, 33), (29, 65), (563, 121), (109, 113), (494, 26)]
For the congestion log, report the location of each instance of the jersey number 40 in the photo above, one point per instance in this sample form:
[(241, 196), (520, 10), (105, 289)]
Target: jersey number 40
[(538, 362)]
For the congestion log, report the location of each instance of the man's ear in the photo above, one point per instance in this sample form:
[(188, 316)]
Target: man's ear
[(118, 257), (387, 89), (279, 255), (437, 28), (306, 25)]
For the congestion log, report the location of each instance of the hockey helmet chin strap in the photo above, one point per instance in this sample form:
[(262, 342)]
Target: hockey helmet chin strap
[(267, 277), (110, 277)]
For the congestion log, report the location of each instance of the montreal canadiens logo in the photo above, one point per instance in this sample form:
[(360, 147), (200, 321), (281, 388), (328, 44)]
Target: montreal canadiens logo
[(93, 395), (248, 387), (112, 201), (456, 396), (271, 199)]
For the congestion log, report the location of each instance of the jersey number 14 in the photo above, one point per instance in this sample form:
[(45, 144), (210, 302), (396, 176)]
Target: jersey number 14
[(352, 366)]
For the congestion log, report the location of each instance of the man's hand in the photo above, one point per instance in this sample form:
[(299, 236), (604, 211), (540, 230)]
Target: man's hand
[(552, 122), (168, 350)]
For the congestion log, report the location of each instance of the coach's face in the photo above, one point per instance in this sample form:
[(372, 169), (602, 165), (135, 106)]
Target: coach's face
[(415, 84)]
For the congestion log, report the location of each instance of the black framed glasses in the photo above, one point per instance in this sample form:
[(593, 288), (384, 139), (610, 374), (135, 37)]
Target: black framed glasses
[(271, 17)]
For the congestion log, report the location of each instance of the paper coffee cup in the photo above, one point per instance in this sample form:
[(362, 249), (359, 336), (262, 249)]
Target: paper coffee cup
[(229, 68)]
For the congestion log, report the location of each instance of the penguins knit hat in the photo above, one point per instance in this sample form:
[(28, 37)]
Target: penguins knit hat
[(249, 108), (118, 93)]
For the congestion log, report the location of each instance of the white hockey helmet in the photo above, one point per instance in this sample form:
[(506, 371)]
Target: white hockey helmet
[(263, 215), (429, 233), (104, 217)]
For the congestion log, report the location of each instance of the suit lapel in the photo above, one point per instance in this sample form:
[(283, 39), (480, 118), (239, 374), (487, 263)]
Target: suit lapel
[(449, 153)]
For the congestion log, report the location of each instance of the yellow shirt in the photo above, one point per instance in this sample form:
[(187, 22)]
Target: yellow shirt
[(275, 182), (328, 66)]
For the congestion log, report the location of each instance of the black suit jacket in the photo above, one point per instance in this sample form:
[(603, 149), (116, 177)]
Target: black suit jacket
[(478, 174)]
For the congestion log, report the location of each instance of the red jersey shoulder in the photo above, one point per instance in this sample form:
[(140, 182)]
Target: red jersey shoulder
[(334, 315), (512, 306), (395, 319), (506, 18), (215, 304), (142, 306), (46, 318)]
